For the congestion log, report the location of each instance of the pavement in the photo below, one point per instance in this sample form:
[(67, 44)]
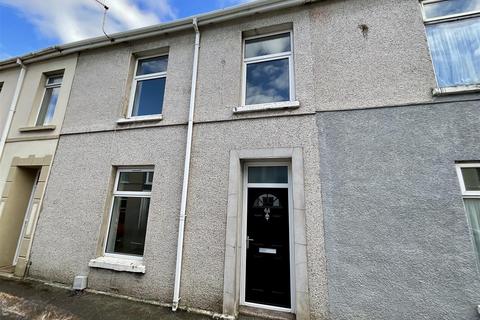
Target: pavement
[(32, 300)]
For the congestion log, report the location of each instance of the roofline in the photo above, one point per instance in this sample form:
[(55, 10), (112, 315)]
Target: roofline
[(222, 15)]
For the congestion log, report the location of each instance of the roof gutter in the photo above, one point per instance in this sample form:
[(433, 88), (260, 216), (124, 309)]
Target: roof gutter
[(245, 10)]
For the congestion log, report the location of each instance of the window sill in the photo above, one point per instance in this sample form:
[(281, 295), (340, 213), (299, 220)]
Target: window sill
[(38, 128), (437, 92), (267, 106), (118, 264), (156, 117)]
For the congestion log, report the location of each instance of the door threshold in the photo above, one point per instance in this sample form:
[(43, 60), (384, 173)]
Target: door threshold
[(7, 269), (265, 313)]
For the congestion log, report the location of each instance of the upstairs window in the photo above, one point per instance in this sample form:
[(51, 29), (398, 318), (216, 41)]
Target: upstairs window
[(453, 32), (469, 176), (128, 219), (268, 69), (148, 87), (49, 101)]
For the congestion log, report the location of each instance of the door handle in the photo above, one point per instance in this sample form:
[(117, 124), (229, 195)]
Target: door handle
[(248, 241)]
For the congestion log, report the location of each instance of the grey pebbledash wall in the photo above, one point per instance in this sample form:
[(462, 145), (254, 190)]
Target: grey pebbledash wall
[(397, 241)]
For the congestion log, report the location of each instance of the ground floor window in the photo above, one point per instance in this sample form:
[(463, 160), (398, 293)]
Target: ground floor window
[(469, 175), (129, 214)]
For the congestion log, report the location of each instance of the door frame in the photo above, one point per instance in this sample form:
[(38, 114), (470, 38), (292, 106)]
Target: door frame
[(243, 262), (26, 218)]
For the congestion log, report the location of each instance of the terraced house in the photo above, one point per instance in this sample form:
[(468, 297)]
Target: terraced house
[(34, 98), (284, 158)]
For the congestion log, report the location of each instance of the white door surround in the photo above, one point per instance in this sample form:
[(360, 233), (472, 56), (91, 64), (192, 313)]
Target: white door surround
[(235, 224)]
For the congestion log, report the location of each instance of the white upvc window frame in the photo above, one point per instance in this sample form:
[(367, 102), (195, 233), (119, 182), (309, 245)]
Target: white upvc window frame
[(270, 57), (133, 89), (45, 88), (465, 192), (458, 16), (132, 194), (448, 90)]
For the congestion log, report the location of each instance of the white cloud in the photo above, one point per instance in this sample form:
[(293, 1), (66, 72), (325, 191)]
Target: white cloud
[(72, 20)]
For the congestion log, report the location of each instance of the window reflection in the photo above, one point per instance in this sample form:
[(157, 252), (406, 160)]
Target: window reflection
[(49, 101), (267, 82), (264, 174), (128, 226), (267, 45), (47, 109), (455, 49), (152, 65), (450, 7), (149, 97), (135, 181), (471, 178)]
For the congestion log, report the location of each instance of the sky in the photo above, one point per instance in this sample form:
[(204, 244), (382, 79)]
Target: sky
[(31, 25)]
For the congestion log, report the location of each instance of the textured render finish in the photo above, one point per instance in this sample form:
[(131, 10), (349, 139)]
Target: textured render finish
[(78, 197), (101, 89), (31, 96), (204, 251), (221, 55), (397, 240), (9, 79), (389, 65), (335, 66)]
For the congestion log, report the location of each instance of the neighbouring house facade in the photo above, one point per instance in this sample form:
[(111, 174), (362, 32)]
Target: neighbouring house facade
[(36, 97), (290, 159)]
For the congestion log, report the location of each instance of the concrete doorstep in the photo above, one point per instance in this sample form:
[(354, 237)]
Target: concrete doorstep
[(31, 300)]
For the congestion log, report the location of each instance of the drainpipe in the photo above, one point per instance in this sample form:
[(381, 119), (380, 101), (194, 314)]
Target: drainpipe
[(13, 106), (186, 171)]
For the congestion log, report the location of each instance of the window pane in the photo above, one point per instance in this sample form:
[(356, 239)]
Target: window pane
[(47, 110), (268, 82), (471, 178), (267, 45), (152, 65), (473, 212), (149, 97), (135, 181), (455, 48), (450, 7), (275, 174), (55, 79), (128, 226)]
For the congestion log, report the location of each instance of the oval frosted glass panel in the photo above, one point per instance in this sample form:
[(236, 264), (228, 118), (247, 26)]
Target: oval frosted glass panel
[(455, 49), (268, 81), (267, 45), (274, 174), (149, 97), (450, 7), (152, 65), (135, 181), (471, 178)]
